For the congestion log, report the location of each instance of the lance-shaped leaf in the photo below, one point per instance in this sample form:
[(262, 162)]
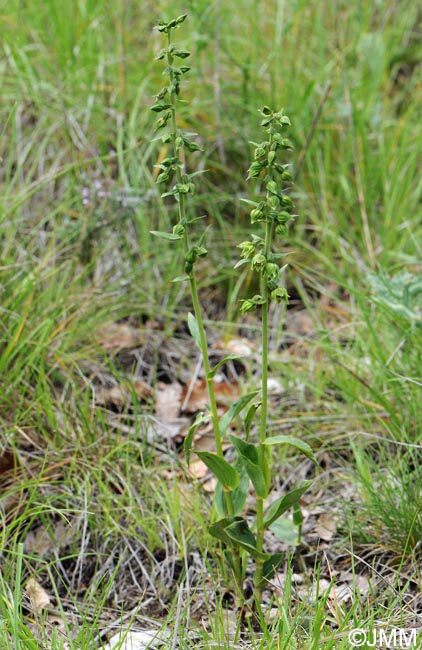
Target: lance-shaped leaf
[(281, 505), (187, 443), (259, 475), (271, 565), (239, 494), (218, 530), (165, 235), (234, 410), (292, 442), (230, 357), (240, 533), (224, 472), (249, 418), (234, 531), (194, 329)]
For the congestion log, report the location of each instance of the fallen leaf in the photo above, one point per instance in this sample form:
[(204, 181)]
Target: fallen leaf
[(195, 396), (326, 527), (119, 336), (40, 541), (120, 395), (37, 594), (8, 461), (198, 469), (137, 640), (241, 346), (168, 400)]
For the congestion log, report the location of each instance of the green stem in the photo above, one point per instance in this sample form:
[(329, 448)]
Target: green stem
[(238, 574), (262, 448)]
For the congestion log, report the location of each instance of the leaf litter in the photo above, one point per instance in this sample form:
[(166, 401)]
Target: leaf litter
[(172, 405)]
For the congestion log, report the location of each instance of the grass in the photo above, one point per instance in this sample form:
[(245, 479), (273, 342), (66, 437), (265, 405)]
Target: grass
[(77, 203)]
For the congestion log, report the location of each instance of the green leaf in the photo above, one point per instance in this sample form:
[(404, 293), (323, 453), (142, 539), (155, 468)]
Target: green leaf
[(297, 515), (281, 505), (240, 533), (250, 415), (225, 472), (187, 443), (240, 263), (286, 531), (293, 442), (234, 531), (260, 476), (194, 329), (230, 357), (165, 235), (271, 565), (238, 495), (181, 278), (234, 410), (218, 530)]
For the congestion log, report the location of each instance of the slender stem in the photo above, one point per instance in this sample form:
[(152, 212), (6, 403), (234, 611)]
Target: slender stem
[(238, 574), (262, 448)]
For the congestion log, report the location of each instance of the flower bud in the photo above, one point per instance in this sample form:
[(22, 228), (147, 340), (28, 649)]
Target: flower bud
[(162, 178), (283, 217), (248, 249), (271, 157), (182, 54), (272, 187), (258, 262), (259, 152), (159, 107), (183, 188), (201, 251), (273, 202), (272, 271), (281, 229), (272, 285), (280, 295), (256, 215), (286, 144), (191, 256), (178, 229), (255, 169), (246, 306), (286, 201)]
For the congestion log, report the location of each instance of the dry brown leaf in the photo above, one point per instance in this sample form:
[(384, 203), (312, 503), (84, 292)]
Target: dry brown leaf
[(198, 469), (138, 640), (40, 542), (8, 461), (326, 527), (120, 395), (119, 336), (241, 346), (197, 395), (168, 400), (37, 594), (210, 485)]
